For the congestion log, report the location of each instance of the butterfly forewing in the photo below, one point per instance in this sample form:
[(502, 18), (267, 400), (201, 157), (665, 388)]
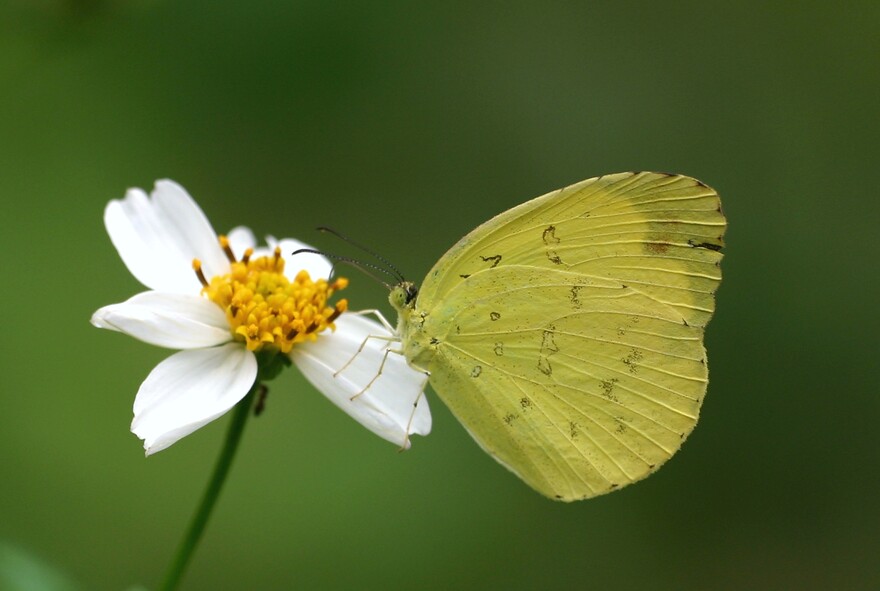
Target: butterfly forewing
[(658, 233)]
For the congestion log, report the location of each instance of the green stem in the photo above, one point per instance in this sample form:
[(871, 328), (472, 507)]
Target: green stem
[(209, 499)]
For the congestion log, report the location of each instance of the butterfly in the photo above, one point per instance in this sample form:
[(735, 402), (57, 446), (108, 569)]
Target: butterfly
[(566, 334)]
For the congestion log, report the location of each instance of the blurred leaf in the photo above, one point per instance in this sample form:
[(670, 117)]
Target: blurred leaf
[(21, 571)]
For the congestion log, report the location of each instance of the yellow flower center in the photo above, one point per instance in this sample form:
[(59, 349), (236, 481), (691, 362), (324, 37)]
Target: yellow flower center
[(264, 308)]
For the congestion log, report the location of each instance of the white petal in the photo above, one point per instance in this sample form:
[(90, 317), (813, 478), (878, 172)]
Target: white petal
[(386, 407), (173, 320), (319, 267), (189, 390), (240, 239), (159, 236)]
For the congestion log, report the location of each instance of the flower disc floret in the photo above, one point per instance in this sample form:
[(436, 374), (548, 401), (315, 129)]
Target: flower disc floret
[(265, 309)]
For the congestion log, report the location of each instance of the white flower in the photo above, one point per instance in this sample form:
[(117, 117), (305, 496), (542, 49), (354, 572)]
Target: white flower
[(221, 300)]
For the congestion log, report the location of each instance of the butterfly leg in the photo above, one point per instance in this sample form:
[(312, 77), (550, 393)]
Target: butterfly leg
[(418, 399), (361, 350), (381, 366)]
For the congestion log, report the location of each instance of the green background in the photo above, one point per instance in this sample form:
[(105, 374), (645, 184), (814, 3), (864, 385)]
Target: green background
[(405, 126)]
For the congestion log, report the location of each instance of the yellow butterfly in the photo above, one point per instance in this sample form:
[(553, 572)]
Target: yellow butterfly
[(566, 334)]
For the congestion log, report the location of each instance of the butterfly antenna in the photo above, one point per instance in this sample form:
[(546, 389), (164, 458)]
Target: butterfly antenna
[(361, 266), (397, 274)]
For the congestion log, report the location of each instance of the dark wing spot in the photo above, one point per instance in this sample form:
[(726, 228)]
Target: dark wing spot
[(631, 360), (550, 239), (544, 366), (575, 296), (493, 316), (476, 371), (706, 245), (657, 247), (549, 235), (548, 348), (608, 388), (499, 349), (496, 258)]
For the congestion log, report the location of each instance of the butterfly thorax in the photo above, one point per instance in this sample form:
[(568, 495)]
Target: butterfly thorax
[(417, 345)]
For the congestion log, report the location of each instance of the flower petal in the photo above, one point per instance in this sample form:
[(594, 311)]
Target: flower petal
[(319, 267), (386, 407), (189, 390), (159, 236), (240, 239), (173, 320)]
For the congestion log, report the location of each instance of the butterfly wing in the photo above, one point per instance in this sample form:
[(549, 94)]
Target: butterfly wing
[(659, 233), (566, 334)]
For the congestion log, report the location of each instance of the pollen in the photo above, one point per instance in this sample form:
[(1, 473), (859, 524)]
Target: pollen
[(264, 308)]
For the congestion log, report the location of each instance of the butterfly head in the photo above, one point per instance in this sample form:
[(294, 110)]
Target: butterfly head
[(403, 295)]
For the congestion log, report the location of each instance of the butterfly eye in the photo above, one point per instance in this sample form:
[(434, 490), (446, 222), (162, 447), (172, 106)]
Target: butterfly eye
[(402, 295)]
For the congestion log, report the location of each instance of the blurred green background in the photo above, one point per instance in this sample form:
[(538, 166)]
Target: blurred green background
[(406, 126)]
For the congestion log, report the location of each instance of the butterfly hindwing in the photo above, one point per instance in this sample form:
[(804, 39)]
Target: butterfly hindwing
[(577, 385)]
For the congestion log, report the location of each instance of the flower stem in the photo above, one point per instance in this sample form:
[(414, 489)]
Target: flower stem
[(212, 492)]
